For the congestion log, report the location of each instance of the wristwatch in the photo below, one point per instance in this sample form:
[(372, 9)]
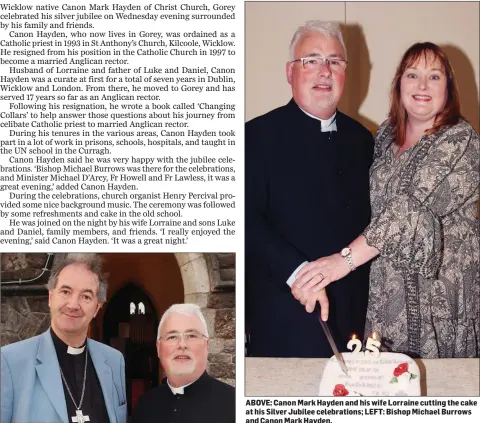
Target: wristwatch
[(346, 253)]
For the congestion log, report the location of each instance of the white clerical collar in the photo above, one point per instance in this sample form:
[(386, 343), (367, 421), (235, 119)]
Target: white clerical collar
[(328, 124), (179, 390), (75, 351)]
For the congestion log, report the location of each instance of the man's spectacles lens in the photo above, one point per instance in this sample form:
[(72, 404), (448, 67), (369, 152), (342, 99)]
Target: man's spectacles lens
[(189, 337), (314, 63)]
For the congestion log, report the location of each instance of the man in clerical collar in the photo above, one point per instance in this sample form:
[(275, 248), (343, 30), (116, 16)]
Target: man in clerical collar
[(189, 394), (306, 192), (61, 375)]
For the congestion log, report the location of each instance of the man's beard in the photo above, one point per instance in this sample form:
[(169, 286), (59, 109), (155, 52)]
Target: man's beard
[(325, 102), (182, 369)]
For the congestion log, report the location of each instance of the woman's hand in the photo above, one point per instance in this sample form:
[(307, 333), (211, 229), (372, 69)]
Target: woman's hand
[(317, 274)]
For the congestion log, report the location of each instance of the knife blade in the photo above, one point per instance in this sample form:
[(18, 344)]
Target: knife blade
[(329, 336)]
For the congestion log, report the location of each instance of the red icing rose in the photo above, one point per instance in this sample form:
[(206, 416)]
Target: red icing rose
[(340, 391), (400, 369)]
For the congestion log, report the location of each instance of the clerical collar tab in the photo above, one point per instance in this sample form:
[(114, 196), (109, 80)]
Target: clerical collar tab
[(179, 390), (327, 125), (75, 351)]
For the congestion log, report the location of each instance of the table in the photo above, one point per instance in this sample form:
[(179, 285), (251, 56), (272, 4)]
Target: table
[(300, 377)]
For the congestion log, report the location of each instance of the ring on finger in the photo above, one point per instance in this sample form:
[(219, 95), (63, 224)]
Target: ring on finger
[(321, 275)]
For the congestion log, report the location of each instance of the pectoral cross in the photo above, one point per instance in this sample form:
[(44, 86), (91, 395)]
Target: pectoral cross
[(80, 417)]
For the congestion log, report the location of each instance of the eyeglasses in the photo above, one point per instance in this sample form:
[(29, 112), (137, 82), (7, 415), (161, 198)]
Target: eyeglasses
[(191, 338), (315, 63)]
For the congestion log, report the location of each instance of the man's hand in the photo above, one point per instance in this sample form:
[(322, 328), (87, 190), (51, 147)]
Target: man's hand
[(317, 274), (309, 299)]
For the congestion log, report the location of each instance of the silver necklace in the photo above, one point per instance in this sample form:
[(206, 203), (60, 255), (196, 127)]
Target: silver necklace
[(79, 418)]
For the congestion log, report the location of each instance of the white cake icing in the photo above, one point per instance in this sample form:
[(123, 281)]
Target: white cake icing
[(370, 376)]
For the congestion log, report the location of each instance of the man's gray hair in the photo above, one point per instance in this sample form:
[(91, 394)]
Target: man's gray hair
[(93, 262), (185, 309), (330, 29)]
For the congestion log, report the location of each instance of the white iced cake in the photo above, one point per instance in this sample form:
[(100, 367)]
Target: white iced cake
[(389, 374)]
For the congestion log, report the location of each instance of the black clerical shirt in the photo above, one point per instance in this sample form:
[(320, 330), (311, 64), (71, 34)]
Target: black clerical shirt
[(206, 400), (73, 368), (306, 196)]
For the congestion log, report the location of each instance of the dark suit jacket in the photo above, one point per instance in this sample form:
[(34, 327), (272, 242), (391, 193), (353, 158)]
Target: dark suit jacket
[(207, 400), (306, 197)]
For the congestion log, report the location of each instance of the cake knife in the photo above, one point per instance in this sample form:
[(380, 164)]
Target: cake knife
[(338, 356)]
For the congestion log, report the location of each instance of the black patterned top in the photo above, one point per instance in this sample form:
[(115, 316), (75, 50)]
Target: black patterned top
[(425, 285)]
